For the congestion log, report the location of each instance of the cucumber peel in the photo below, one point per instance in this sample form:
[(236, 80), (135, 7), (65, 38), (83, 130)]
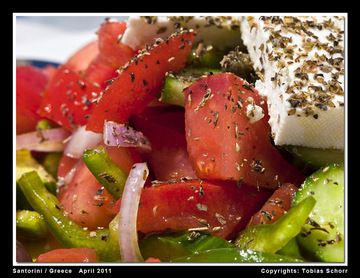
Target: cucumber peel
[(322, 237)]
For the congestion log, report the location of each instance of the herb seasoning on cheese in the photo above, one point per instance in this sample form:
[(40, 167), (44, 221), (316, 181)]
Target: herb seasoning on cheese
[(302, 62)]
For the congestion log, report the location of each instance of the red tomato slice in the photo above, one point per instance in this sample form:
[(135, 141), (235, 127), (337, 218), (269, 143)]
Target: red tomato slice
[(100, 72), (71, 255), (68, 99), (165, 129), (30, 84), (125, 158), (152, 260), (66, 163), (223, 144), (179, 206), (49, 71), (83, 199), (276, 206), (80, 61), (113, 54), (141, 80)]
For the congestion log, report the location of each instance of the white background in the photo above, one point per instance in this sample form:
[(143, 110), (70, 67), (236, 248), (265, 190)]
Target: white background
[(54, 38)]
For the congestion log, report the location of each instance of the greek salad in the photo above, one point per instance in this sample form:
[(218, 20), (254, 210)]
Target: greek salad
[(186, 139)]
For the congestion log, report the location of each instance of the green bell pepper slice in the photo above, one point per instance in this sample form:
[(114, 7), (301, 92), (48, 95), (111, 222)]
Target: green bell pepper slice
[(65, 231), (270, 238), (105, 170)]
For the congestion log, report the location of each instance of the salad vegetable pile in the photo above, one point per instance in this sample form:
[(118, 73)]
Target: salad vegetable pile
[(163, 152)]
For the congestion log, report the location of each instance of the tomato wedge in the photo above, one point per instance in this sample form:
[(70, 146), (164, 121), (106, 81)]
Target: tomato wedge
[(221, 209), (85, 202), (165, 129), (112, 54), (81, 59), (84, 199), (30, 85), (110, 47), (223, 143), (100, 72), (68, 99), (70, 255), (140, 80), (276, 206)]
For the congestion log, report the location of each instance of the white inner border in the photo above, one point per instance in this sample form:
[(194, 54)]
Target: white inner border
[(178, 14)]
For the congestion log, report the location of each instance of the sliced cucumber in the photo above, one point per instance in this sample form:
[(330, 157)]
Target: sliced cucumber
[(322, 237), (172, 92), (316, 157)]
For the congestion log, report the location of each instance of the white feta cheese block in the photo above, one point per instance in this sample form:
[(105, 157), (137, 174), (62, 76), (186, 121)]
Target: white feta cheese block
[(219, 31), (300, 61)]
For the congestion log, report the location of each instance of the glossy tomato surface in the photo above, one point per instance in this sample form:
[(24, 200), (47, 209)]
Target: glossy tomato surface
[(70, 255), (140, 81), (223, 142), (30, 86)]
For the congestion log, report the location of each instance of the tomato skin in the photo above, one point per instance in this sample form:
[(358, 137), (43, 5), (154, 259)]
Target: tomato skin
[(66, 163), (86, 203), (74, 255), (68, 99), (223, 144), (112, 54), (30, 84), (179, 206), (140, 81), (275, 206), (165, 129), (152, 260), (49, 71), (81, 59), (100, 72)]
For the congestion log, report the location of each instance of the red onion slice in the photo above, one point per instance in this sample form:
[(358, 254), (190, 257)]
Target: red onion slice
[(48, 140), (128, 237), (81, 140), (121, 135)]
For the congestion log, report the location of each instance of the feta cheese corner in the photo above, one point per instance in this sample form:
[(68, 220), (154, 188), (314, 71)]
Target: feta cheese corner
[(218, 31), (301, 64)]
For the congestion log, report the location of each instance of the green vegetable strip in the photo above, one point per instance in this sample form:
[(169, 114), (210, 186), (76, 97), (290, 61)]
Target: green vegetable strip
[(172, 246), (291, 249), (21, 202), (234, 255), (322, 237), (172, 92), (51, 163), (65, 231), (105, 170), (30, 225), (272, 237)]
